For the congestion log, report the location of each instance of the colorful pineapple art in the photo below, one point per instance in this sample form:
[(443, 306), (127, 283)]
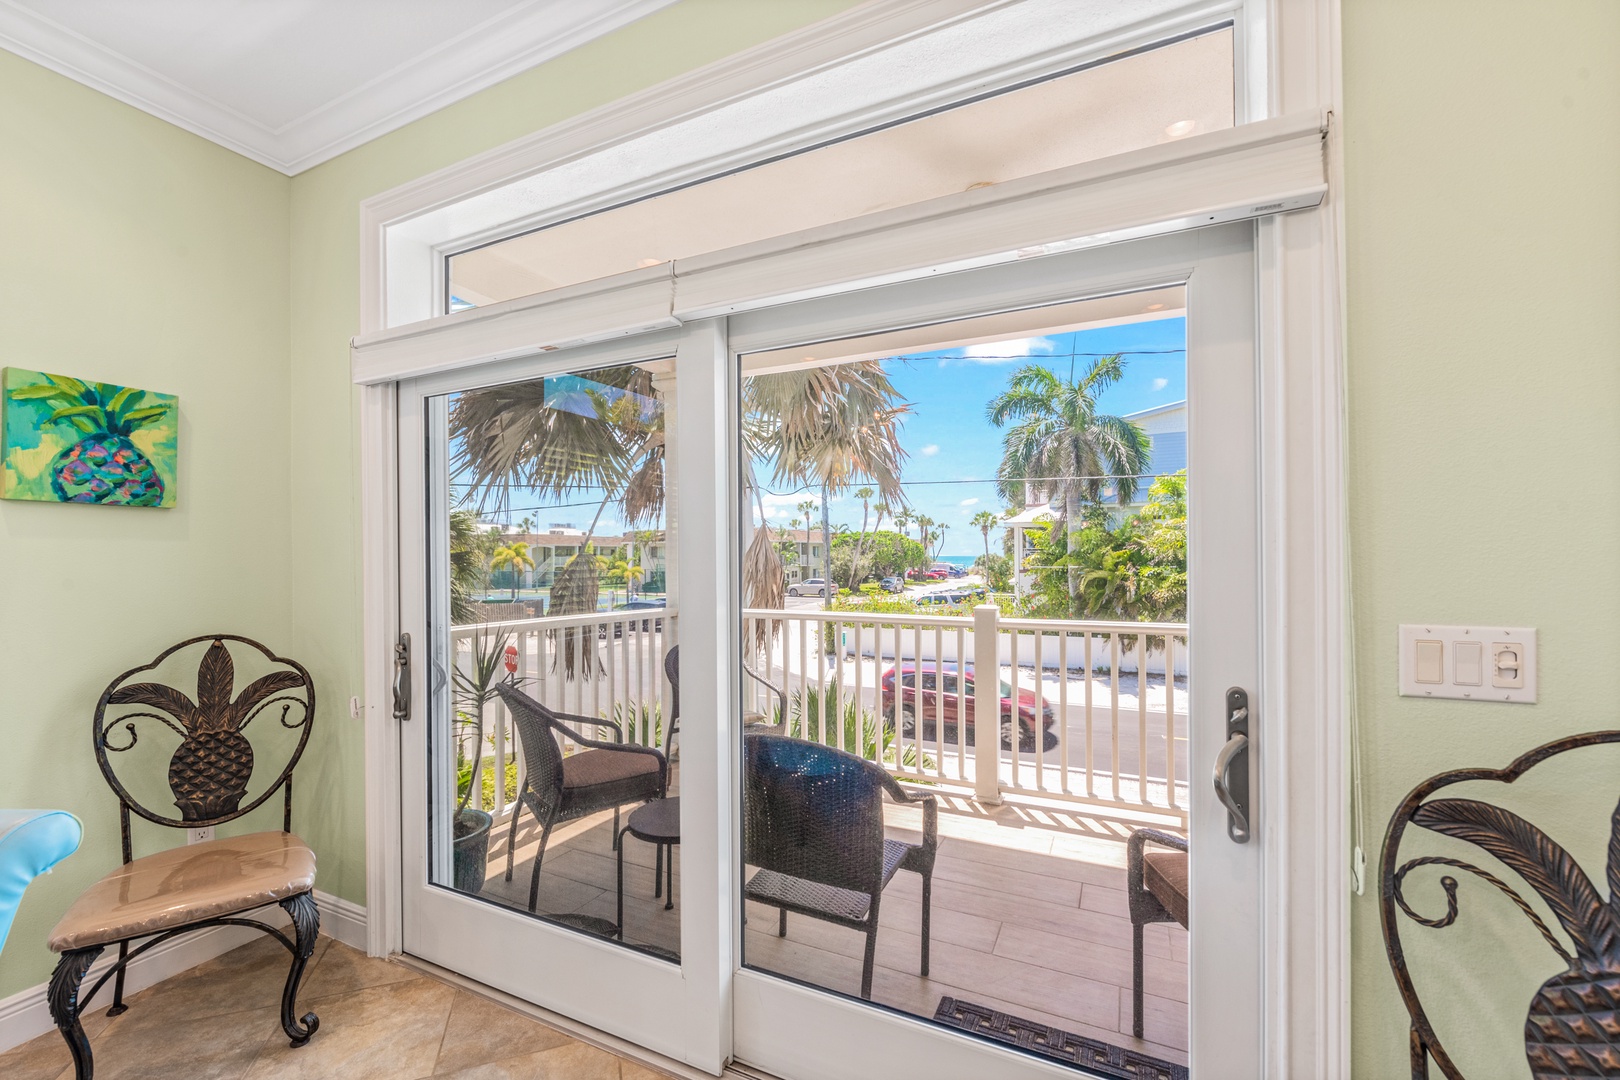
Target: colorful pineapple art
[(67, 440)]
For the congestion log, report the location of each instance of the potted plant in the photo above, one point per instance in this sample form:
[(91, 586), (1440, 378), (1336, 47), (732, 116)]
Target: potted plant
[(475, 689)]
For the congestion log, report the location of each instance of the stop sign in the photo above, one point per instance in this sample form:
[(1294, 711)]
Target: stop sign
[(511, 659)]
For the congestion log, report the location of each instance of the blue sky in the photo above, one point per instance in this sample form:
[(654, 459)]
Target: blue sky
[(952, 449)]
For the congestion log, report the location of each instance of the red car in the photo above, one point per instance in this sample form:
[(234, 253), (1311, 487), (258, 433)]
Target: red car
[(929, 692), (937, 575)]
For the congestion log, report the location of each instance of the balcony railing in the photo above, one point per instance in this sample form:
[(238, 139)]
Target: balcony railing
[(1118, 722), (608, 664), (1115, 693)]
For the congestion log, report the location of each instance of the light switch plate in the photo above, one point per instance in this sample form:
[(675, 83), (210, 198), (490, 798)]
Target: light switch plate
[(1479, 676)]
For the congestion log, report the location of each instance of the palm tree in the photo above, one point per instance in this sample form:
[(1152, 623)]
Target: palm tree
[(1060, 441), (984, 521), (903, 520), (514, 557), (924, 524), (939, 539), (826, 428)]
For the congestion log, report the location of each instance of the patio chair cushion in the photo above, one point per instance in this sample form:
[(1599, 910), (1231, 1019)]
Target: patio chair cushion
[(186, 885), (605, 777), (1164, 874)]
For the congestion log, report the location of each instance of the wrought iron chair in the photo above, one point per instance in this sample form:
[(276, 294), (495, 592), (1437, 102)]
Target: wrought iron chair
[(158, 897), (558, 788), (813, 824), (1156, 890), (1571, 1028)]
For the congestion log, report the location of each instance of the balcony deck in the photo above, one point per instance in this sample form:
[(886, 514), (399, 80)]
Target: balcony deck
[(1029, 918)]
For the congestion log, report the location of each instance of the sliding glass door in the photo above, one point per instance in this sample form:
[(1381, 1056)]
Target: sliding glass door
[(788, 687)]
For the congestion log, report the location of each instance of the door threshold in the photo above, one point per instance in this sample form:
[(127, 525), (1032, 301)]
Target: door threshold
[(596, 1037)]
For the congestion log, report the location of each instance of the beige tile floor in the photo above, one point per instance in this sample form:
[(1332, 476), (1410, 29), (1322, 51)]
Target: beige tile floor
[(379, 1021), (1029, 918)]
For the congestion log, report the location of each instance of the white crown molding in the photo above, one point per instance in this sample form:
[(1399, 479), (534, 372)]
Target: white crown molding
[(473, 60)]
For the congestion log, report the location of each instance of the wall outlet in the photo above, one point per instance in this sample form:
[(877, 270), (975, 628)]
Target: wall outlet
[(354, 708), (199, 836), (1469, 663)]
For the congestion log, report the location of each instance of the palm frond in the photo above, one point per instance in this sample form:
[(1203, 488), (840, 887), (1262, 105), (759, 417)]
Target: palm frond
[(1548, 869)]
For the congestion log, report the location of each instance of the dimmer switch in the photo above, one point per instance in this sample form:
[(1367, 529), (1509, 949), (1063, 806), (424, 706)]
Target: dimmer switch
[(1471, 663)]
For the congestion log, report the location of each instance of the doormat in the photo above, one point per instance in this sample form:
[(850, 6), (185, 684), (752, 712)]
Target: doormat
[(1103, 1059)]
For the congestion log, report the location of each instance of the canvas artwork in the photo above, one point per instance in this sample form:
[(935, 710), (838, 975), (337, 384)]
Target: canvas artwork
[(67, 440)]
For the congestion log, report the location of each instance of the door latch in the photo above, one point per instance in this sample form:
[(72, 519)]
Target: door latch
[(402, 678), (1232, 767)]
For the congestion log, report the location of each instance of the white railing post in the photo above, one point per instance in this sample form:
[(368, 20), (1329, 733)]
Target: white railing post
[(986, 704)]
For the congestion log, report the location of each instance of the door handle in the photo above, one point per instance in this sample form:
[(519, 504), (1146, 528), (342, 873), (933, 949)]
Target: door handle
[(402, 677), (1232, 766)]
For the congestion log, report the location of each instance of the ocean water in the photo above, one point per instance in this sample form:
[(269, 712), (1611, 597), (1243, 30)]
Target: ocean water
[(964, 561)]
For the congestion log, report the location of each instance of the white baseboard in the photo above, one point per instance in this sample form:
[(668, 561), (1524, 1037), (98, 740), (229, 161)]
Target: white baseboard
[(24, 1015)]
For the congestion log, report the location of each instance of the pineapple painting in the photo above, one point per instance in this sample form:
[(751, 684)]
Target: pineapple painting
[(1573, 1026), (67, 440)]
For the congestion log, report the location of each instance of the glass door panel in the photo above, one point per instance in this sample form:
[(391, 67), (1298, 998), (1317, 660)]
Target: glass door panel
[(542, 818), (975, 552)]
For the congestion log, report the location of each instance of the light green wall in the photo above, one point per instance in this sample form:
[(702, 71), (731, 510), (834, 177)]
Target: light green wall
[(1484, 260), (325, 315), (134, 253), (1482, 170)]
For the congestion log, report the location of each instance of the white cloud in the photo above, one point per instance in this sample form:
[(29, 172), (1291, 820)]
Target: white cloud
[(929, 451), (1160, 384), (969, 502), (1005, 352)]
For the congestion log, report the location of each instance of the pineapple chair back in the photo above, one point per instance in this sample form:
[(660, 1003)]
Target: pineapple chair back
[(186, 743), (1572, 1027)]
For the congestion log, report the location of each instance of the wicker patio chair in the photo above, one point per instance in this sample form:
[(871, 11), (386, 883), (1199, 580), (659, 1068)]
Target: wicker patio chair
[(1156, 890), (558, 788), (161, 896), (672, 671), (813, 824)]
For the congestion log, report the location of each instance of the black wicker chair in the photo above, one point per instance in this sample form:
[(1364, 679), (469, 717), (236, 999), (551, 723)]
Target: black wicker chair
[(158, 897), (813, 824), (672, 671), (558, 788), (1156, 890)]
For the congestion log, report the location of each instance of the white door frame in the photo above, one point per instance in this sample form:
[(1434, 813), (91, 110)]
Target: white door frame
[(1305, 647)]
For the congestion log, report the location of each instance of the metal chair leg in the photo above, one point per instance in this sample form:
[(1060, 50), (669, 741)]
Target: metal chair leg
[(118, 1006), (927, 918), (669, 879), (306, 920), (781, 929), (871, 958), (534, 882), (63, 999), (1136, 980), (511, 836)]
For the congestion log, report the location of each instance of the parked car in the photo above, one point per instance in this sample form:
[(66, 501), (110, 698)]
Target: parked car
[(929, 692), (892, 584), (809, 587), (936, 574), (957, 571), (656, 625)]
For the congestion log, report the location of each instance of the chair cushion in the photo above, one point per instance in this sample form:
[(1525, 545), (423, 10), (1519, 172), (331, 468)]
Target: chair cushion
[(824, 901), (1164, 874), (185, 885), (608, 777)]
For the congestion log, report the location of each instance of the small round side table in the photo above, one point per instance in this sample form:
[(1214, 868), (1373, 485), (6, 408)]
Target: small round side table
[(659, 823)]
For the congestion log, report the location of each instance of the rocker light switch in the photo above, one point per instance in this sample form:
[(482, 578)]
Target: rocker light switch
[(1470, 663), (1429, 657)]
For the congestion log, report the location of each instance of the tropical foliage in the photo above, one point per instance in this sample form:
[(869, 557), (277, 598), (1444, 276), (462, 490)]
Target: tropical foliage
[(996, 570), (470, 553), (882, 553), (815, 717), (1134, 570)]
